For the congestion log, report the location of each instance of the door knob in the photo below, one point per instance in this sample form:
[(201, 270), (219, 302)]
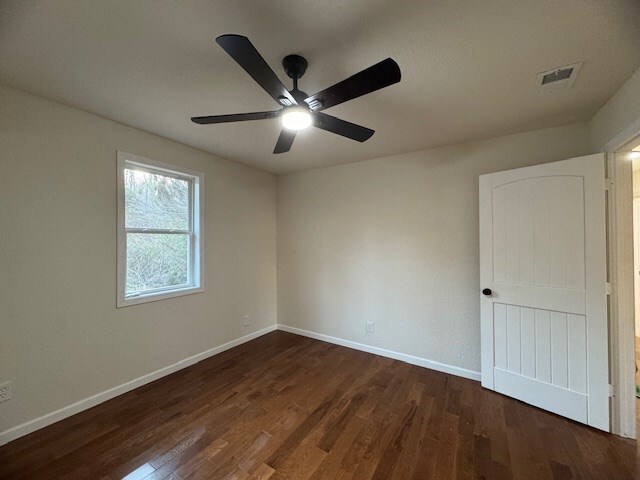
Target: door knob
[(487, 292)]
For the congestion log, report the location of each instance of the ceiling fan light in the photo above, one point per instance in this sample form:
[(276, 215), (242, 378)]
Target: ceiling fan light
[(296, 118)]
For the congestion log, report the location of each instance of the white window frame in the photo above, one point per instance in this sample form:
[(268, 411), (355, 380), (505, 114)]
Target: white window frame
[(196, 230)]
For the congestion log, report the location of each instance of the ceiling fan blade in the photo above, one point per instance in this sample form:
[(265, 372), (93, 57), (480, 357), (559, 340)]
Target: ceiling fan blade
[(341, 127), (285, 140), (378, 76), (243, 52), (235, 117)]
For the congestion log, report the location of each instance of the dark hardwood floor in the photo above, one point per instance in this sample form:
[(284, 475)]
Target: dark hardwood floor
[(284, 406)]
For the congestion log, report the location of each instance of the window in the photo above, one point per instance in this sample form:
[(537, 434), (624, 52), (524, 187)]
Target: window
[(159, 230)]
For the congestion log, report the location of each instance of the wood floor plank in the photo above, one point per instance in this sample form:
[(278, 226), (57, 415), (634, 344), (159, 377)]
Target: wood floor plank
[(412, 451), (396, 445), (263, 472), (285, 406)]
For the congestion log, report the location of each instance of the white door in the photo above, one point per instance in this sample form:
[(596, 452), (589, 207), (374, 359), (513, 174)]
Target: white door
[(543, 273)]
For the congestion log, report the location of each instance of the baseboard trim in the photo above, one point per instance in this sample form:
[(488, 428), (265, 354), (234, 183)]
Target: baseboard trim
[(413, 360), (84, 404)]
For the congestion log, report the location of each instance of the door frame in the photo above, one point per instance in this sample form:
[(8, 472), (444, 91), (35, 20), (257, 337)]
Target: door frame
[(622, 300)]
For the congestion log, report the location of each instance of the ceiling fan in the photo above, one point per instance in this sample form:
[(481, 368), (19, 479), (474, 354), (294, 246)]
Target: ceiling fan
[(299, 110)]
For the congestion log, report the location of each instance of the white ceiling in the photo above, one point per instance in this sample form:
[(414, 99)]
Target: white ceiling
[(468, 67)]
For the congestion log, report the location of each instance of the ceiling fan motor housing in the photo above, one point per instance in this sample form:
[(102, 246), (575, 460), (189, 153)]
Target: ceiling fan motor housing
[(295, 66)]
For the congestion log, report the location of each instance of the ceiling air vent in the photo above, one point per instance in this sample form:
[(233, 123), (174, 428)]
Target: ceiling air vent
[(556, 76), (561, 78)]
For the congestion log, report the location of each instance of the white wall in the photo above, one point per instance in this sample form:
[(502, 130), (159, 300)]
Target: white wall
[(395, 240), (618, 121), (61, 337)]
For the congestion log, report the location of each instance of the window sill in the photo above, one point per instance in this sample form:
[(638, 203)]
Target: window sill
[(154, 297)]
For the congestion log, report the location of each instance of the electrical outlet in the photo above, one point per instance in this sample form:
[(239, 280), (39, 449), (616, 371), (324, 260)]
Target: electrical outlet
[(246, 321), (370, 327), (5, 391)]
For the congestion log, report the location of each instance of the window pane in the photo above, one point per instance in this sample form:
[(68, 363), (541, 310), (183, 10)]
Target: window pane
[(156, 261), (155, 201)]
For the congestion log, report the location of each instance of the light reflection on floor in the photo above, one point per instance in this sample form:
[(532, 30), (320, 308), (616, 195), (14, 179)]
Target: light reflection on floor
[(140, 472)]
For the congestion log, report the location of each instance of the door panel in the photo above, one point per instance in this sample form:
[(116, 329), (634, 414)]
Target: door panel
[(534, 222), (543, 254), (541, 344)]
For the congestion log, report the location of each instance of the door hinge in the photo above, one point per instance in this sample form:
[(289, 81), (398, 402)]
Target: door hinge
[(612, 391), (608, 288), (608, 183)]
